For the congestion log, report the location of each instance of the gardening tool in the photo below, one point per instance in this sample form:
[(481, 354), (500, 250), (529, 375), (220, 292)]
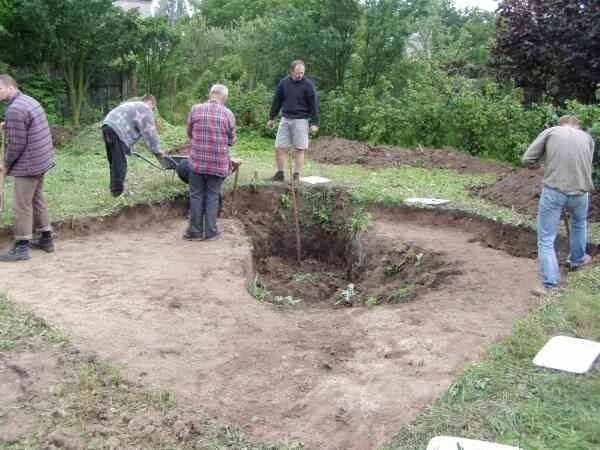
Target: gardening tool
[(236, 163), (1, 170), (167, 163), (295, 206)]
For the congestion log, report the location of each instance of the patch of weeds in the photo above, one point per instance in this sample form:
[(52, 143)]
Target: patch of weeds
[(371, 301), (285, 300), (285, 200), (160, 399), (392, 270), (403, 293), (360, 222), (317, 208), (305, 277), (345, 296), (19, 327), (258, 290)]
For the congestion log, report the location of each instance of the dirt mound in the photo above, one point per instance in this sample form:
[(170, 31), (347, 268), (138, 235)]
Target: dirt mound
[(62, 135), (338, 151), (521, 189), (342, 151)]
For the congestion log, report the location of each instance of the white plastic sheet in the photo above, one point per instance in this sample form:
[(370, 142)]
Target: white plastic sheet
[(568, 354), (454, 443)]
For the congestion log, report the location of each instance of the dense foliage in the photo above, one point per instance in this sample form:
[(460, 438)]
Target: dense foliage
[(403, 72), (550, 47)]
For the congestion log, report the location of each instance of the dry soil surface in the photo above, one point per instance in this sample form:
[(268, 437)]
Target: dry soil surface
[(176, 315)]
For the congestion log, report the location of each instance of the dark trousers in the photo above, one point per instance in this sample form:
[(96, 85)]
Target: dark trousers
[(117, 161), (204, 204), (183, 171)]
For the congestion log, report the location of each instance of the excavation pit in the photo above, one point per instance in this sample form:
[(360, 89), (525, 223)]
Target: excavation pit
[(342, 264)]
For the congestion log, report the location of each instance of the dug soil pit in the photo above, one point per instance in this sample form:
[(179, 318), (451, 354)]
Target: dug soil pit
[(342, 151), (177, 315), (339, 266)]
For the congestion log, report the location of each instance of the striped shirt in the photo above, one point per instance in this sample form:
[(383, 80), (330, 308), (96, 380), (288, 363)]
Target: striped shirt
[(211, 128), (29, 150)]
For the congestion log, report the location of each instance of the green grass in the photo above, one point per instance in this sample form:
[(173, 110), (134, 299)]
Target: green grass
[(506, 399)]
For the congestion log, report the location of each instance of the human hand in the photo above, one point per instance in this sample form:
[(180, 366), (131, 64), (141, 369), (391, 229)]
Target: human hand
[(159, 155), (1, 126), (271, 124), (314, 129)]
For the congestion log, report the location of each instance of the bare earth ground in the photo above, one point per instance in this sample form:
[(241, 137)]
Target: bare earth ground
[(176, 315)]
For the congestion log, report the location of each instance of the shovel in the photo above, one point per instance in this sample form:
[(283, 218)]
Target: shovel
[(1, 170)]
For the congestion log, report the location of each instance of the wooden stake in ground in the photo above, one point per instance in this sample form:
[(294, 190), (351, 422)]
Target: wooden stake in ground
[(236, 168), (295, 207), (2, 170)]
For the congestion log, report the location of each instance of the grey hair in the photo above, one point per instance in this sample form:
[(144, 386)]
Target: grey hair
[(219, 89)]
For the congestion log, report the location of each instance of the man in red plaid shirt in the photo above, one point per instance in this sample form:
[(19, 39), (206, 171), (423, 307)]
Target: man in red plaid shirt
[(211, 129)]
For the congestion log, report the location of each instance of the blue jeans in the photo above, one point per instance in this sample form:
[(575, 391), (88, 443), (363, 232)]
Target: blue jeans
[(552, 203), (204, 204)]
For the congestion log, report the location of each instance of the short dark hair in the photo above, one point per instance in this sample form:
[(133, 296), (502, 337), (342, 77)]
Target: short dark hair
[(295, 63), (7, 80), (149, 98)]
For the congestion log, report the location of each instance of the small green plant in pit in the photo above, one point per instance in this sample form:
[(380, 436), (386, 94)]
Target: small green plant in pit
[(345, 296), (286, 300), (371, 301), (360, 222), (401, 294), (305, 277), (285, 201), (258, 290), (419, 259), (393, 269)]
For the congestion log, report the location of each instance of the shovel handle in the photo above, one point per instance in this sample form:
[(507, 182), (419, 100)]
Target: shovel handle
[(1, 169)]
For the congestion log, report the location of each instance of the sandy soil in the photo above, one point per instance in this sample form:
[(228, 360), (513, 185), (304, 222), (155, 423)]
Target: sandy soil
[(176, 315)]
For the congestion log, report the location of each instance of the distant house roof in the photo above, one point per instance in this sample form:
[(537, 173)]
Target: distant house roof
[(144, 6)]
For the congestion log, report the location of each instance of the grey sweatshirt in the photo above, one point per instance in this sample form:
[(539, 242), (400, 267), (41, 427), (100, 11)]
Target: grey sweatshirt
[(568, 156), (132, 121)]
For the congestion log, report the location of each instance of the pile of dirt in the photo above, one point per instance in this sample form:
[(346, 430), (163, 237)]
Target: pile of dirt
[(62, 135), (520, 190), (342, 151)]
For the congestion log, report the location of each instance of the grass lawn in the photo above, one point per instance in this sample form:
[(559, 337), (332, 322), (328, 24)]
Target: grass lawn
[(502, 398)]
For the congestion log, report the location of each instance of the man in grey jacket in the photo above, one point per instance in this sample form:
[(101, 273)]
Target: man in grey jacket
[(121, 129), (568, 153), (29, 155)]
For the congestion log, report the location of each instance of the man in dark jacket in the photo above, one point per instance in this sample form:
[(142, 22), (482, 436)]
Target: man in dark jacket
[(29, 155), (296, 98)]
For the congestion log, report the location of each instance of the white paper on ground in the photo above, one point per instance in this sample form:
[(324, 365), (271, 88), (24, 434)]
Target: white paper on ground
[(568, 354), (426, 201), (314, 179), (454, 443)]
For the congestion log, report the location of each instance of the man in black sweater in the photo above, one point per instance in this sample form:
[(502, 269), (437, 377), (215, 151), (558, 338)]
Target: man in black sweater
[(296, 98)]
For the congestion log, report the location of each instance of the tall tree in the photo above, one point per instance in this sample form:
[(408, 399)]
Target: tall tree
[(174, 9), (75, 36), (550, 47), (384, 32), (224, 13)]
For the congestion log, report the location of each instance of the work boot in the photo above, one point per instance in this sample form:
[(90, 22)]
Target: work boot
[(44, 242), (278, 176), (19, 252), (586, 260)]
